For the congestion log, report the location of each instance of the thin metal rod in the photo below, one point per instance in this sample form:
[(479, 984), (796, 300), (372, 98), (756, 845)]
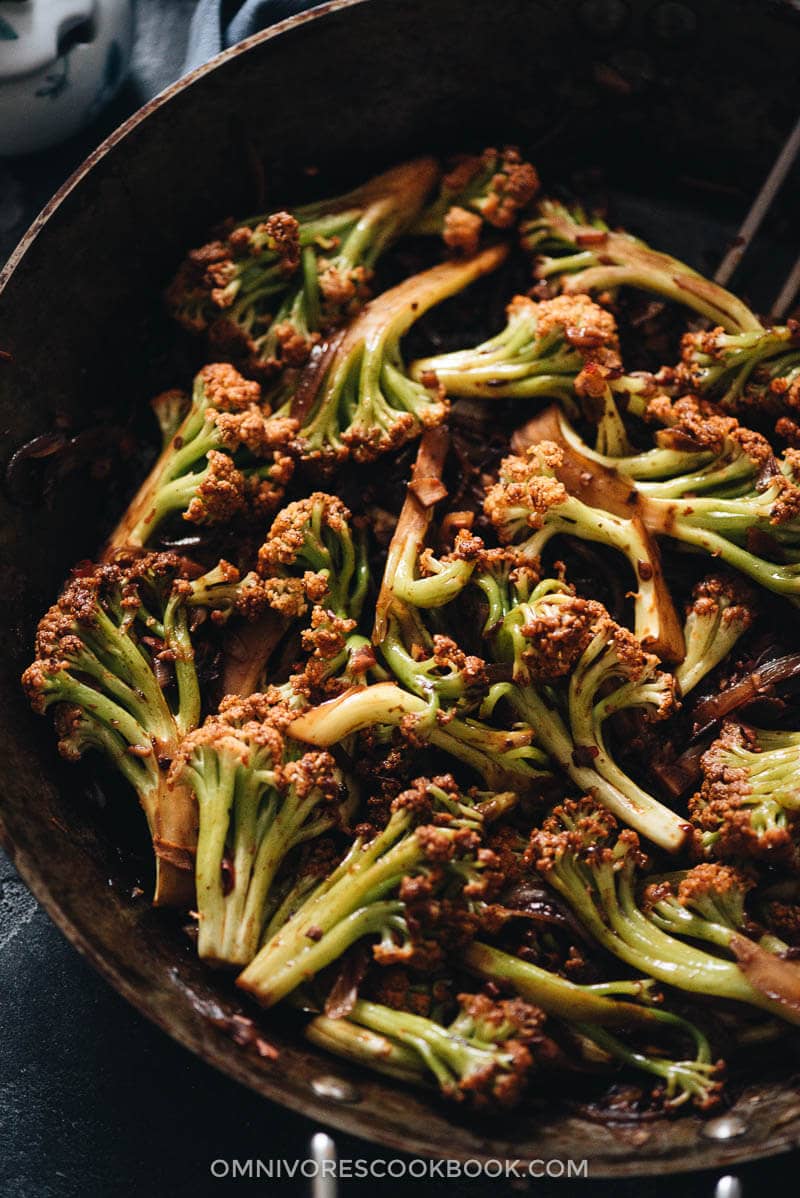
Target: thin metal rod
[(729, 1187), (760, 207), (788, 292), (323, 1153)]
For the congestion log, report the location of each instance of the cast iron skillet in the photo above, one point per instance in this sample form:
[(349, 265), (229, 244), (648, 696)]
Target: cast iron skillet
[(656, 92)]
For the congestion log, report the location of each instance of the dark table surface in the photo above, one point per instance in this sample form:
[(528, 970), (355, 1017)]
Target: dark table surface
[(93, 1099)]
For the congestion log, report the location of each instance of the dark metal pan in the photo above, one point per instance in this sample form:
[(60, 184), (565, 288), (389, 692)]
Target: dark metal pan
[(660, 95)]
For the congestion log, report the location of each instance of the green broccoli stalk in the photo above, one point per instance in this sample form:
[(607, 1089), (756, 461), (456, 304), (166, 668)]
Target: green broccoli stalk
[(707, 903), (313, 558), (483, 1057), (413, 878), (748, 807), (722, 609), (487, 190), (228, 455), (355, 397), (268, 288), (751, 524), (584, 258), (698, 452), (697, 1080), (572, 668), (259, 796), (529, 501), (541, 351), (115, 657), (297, 881), (756, 371), (603, 1005), (356, 1043), (411, 1047), (593, 865), (501, 757), (757, 533), (317, 535)]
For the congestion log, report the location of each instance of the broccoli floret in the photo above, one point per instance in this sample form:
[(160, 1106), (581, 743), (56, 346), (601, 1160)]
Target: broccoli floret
[(698, 451), (355, 397), (586, 257), (259, 796), (572, 668), (743, 508), (313, 571), (565, 348), (115, 657), (722, 609), (267, 289), (748, 807), (490, 189), (751, 372), (756, 532), (541, 352), (698, 1080), (502, 757), (229, 455), (410, 886), (594, 866), (483, 1057), (529, 505), (317, 536)]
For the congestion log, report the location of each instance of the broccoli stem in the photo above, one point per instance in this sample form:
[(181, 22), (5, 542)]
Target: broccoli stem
[(556, 995), (574, 518), (504, 759), (627, 801), (356, 1043), (352, 907), (587, 258), (173, 479), (362, 401), (687, 1080), (665, 518)]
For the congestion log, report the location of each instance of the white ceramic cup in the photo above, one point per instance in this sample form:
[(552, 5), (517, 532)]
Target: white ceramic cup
[(61, 61)]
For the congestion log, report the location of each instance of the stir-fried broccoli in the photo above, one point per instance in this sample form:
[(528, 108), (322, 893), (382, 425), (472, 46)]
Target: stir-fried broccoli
[(288, 722), (742, 507), (594, 865), (541, 352), (259, 796), (748, 806), (228, 456), (573, 668), (754, 372), (265, 290), (500, 756), (698, 1079), (697, 450), (355, 396), (483, 1057), (587, 257), (410, 887), (722, 609), (528, 501), (312, 567), (490, 189), (115, 656)]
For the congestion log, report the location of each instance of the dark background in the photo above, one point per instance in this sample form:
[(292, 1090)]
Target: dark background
[(93, 1099)]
